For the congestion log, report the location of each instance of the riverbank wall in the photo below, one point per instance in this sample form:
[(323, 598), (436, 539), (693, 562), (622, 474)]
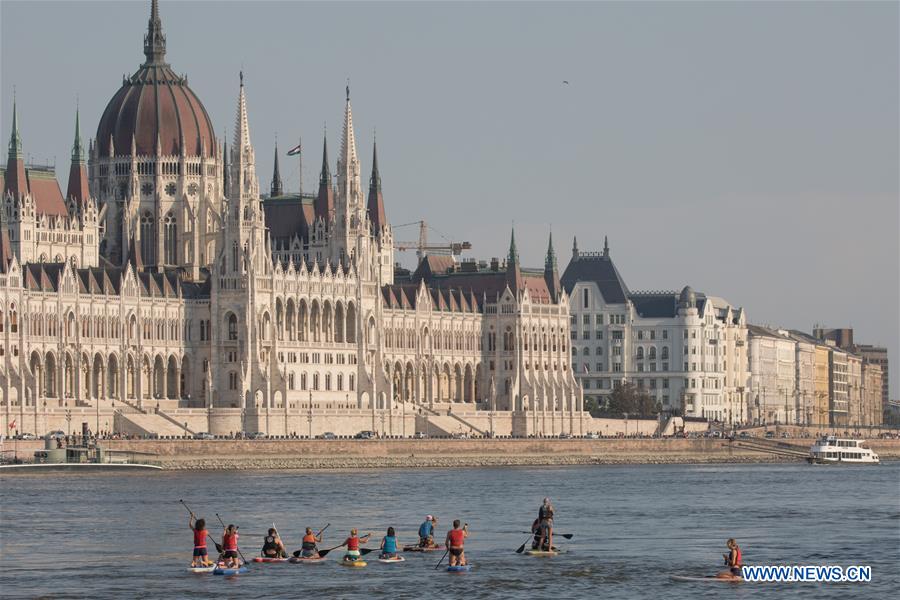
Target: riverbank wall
[(355, 454)]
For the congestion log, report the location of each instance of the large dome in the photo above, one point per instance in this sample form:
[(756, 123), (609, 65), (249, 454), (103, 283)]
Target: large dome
[(156, 104)]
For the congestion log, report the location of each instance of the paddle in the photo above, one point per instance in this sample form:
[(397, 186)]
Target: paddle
[(297, 553), (568, 536), (521, 548), (223, 527), (217, 545), (442, 558)]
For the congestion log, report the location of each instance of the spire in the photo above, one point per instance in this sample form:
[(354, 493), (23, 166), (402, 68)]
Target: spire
[(243, 161), (15, 140), (513, 274), (605, 246), (574, 247), (277, 189), (324, 205), (348, 161), (375, 204), (14, 179), (155, 40), (78, 181), (77, 148), (225, 164), (551, 272)]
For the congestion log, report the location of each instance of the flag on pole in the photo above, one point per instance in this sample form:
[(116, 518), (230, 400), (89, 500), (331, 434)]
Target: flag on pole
[(12, 424), (294, 151)]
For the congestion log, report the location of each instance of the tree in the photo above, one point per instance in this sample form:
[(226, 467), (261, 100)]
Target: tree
[(627, 398)]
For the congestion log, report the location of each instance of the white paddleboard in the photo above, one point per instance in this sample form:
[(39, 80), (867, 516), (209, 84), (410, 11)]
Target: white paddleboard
[(388, 561)]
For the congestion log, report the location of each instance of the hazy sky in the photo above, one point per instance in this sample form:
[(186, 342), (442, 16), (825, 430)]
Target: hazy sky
[(747, 149)]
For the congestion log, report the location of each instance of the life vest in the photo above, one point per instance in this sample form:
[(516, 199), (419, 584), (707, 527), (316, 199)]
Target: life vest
[(229, 541), (352, 543), (270, 543), (457, 538), (309, 542), (199, 538), (737, 556)]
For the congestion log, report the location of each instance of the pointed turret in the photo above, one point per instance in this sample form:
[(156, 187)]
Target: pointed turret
[(376, 200), (244, 184), (348, 162), (154, 40), (574, 247), (14, 179), (551, 271), (513, 273), (225, 166), (276, 189), (78, 182), (605, 246), (325, 199)]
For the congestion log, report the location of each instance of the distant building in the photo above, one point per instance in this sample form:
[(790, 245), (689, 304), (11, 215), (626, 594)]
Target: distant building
[(686, 350), (772, 377), (876, 355)]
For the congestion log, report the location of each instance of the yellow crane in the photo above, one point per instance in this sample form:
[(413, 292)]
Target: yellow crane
[(423, 248)]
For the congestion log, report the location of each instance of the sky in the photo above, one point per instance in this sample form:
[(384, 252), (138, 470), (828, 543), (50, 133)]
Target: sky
[(749, 150)]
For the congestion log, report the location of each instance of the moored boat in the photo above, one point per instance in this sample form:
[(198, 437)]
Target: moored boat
[(831, 450)]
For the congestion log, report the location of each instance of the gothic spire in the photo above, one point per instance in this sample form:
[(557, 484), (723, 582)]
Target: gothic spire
[(348, 161), (154, 40), (574, 247), (513, 273), (277, 188), (513, 253), (15, 140), (605, 246), (78, 181), (243, 161), (550, 261), (375, 204), (551, 271), (225, 164), (324, 205)]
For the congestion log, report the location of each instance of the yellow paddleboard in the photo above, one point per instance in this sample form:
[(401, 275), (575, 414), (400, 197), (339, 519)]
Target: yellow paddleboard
[(354, 563)]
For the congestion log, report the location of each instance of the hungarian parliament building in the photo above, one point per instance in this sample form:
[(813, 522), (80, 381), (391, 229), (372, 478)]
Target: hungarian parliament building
[(163, 294)]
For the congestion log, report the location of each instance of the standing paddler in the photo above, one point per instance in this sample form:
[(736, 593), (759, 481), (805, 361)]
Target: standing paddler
[(456, 541)]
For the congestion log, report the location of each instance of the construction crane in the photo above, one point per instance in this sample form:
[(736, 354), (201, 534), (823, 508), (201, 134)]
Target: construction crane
[(423, 248)]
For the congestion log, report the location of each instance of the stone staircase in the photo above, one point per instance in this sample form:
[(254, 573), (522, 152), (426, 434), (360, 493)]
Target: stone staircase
[(149, 424)]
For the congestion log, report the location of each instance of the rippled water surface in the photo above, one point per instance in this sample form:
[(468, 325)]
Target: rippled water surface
[(126, 536)]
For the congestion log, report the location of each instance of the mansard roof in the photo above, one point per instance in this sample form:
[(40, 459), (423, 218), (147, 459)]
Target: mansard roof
[(107, 280), (44, 189), (288, 215), (599, 268), (655, 305)]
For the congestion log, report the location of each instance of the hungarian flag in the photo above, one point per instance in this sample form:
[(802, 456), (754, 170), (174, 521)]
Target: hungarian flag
[(294, 151)]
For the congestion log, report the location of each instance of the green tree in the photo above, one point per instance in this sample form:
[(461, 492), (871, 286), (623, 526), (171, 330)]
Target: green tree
[(629, 398)]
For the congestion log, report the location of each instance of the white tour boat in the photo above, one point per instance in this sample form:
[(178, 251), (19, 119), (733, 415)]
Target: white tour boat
[(831, 449)]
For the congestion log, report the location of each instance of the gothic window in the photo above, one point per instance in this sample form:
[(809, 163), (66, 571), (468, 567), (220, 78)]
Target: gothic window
[(170, 242), (147, 189), (170, 189), (148, 248), (234, 256), (192, 189), (232, 327)]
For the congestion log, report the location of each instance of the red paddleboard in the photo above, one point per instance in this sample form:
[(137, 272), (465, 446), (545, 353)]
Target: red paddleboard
[(266, 559)]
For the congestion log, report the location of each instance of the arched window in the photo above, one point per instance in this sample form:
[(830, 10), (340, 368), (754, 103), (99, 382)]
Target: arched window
[(232, 328), (640, 353), (148, 241), (170, 241)]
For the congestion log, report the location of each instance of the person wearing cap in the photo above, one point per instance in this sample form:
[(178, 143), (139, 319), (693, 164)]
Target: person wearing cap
[(426, 532), (545, 525)]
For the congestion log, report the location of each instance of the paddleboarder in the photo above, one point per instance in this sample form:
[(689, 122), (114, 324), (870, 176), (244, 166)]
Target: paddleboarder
[(230, 547), (352, 544), (426, 532), (273, 547), (545, 524), (733, 560), (201, 557), (389, 544), (456, 540), (310, 548)]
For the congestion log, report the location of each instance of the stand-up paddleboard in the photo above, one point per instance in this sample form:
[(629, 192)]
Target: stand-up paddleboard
[(544, 552), (298, 560), (354, 563), (208, 569), (230, 570), (705, 578), (422, 549), (266, 559), (459, 568), (396, 559)]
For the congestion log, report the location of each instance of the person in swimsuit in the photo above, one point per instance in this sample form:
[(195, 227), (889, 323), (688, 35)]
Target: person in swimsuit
[(733, 560), (352, 543), (230, 547), (201, 557), (456, 540), (389, 544), (310, 549), (273, 547)]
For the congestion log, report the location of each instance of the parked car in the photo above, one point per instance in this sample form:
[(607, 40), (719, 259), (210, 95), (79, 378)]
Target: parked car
[(256, 435), (365, 435), (785, 434), (27, 436), (592, 435), (420, 435), (54, 435), (203, 435), (743, 434), (565, 436), (327, 436), (770, 435), (460, 436)]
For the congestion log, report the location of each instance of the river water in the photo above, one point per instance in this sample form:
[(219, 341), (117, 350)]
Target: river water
[(126, 536)]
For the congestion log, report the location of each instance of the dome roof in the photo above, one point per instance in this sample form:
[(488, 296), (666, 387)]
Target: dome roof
[(155, 104), (687, 297)]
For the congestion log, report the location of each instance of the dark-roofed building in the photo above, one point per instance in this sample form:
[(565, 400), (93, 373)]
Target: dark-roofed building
[(684, 349)]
